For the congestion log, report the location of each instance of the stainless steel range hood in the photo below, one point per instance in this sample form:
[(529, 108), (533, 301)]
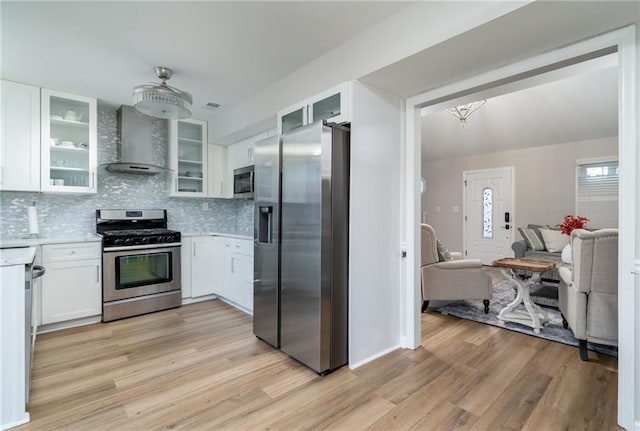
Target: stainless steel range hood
[(135, 146)]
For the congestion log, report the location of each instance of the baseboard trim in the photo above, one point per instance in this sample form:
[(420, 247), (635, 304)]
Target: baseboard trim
[(187, 301), (50, 327), (407, 343), (236, 305), (24, 420), (373, 357)]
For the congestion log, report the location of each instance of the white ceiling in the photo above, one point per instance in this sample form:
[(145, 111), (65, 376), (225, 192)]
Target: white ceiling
[(567, 111), (222, 52), (226, 52), (572, 109)]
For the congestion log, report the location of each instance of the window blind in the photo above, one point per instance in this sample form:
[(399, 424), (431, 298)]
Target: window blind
[(597, 193)]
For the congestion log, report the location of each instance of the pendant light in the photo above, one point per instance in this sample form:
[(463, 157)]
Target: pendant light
[(161, 100), (462, 112)]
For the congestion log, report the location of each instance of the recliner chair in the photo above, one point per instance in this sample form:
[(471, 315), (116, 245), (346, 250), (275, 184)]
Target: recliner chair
[(456, 279), (588, 294)]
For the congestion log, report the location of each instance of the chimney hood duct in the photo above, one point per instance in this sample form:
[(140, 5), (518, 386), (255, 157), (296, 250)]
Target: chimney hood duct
[(135, 146)]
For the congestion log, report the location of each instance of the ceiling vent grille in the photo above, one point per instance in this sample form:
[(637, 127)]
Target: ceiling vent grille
[(212, 105)]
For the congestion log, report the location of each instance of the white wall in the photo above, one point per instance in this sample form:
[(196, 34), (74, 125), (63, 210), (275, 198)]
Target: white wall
[(374, 220), (413, 29), (544, 184)]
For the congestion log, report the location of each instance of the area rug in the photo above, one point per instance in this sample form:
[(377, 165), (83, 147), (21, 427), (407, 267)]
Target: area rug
[(503, 294)]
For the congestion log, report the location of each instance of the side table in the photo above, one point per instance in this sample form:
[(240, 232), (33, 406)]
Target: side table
[(534, 317)]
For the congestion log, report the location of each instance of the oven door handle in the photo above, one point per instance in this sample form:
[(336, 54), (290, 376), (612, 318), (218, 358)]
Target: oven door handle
[(142, 247)]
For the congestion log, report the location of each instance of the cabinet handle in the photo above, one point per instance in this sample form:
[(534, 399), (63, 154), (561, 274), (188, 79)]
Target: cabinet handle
[(176, 185), (221, 188), (232, 267), (97, 273), (194, 249), (92, 179)]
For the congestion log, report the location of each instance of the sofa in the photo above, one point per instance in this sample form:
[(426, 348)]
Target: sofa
[(589, 289), (536, 248)]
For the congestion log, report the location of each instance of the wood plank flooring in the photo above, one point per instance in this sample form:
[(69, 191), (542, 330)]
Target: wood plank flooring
[(199, 367)]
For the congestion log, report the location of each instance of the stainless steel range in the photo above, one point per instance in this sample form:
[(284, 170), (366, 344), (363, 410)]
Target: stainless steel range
[(140, 263)]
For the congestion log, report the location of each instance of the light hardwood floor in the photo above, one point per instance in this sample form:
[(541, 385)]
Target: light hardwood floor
[(199, 367)]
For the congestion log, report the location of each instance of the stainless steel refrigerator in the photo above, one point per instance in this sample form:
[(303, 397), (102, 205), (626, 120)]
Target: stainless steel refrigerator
[(301, 244)]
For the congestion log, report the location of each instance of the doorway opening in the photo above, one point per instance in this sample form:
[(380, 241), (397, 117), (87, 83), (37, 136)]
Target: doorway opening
[(621, 43)]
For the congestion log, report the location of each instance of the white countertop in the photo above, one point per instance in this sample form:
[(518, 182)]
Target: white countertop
[(28, 242), (17, 256), (228, 235), (6, 243)]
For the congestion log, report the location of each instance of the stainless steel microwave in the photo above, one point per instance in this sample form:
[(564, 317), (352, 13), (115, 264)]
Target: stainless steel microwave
[(243, 182)]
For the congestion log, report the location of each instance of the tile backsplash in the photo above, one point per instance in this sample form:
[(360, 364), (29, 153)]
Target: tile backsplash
[(64, 215)]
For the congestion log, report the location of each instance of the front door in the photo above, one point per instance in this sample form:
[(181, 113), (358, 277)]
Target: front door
[(488, 214)]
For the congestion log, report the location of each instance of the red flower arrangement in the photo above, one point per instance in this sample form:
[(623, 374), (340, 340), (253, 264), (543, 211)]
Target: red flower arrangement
[(570, 223)]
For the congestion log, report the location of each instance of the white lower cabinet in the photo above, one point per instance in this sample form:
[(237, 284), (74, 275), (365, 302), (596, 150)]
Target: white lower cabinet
[(185, 267), (238, 258), (202, 271), (218, 265), (71, 288), (219, 186), (221, 288)]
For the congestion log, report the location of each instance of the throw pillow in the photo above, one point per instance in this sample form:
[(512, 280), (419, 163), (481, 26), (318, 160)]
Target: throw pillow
[(443, 253), (555, 240), (534, 242)]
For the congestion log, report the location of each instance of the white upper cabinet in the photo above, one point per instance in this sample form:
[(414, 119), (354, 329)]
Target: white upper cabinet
[(217, 167), (293, 117), (20, 137), (69, 144), (188, 158), (333, 105), (244, 151)]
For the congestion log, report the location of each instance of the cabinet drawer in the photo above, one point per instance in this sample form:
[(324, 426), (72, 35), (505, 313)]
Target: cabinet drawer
[(67, 252), (240, 246)]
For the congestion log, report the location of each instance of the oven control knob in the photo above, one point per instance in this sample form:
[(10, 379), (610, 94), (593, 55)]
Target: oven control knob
[(117, 241), (127, 241), (145, 240)]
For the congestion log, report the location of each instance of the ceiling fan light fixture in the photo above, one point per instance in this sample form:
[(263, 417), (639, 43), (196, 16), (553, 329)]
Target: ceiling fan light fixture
[(161, 100), (462, 112)]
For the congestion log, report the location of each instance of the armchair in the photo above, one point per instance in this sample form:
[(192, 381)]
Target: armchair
[(588, 294), (451, 280)]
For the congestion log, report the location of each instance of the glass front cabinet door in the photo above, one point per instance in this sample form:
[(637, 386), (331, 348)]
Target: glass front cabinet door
[(295, 116), (332, 105), (69, 143), (188, 156)]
